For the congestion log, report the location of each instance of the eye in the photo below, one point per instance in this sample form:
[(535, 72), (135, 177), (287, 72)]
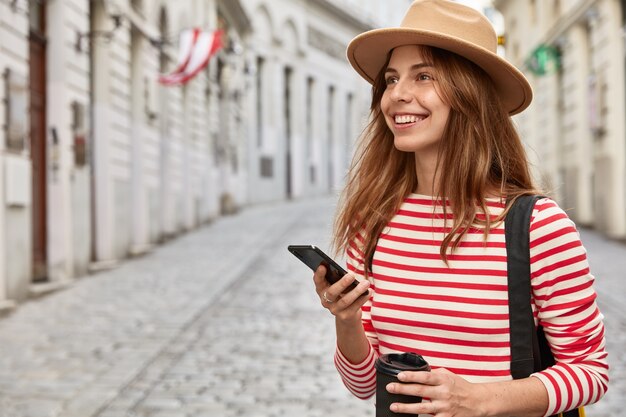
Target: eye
[(391, 79), (424, 76)]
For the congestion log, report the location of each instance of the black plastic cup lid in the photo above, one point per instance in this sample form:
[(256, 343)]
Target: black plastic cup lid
[(394, 363)]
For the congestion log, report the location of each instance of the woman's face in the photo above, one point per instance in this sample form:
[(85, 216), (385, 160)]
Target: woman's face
[(412, 107)]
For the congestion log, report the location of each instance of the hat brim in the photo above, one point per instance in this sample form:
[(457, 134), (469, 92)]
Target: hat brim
[(368, 51)]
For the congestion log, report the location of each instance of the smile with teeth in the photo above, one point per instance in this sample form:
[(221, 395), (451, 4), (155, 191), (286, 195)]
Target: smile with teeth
[(408, 118)]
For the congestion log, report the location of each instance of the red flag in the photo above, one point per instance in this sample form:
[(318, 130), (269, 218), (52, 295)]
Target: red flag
[(196, 48)]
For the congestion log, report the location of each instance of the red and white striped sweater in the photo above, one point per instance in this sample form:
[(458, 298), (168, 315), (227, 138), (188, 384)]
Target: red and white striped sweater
[(456, 317)]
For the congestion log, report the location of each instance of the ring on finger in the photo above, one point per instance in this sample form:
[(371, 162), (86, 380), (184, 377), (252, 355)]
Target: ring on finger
[(325, 297)]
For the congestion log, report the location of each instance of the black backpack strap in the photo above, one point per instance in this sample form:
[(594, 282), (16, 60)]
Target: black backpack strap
[(524, 345), (530, 351)]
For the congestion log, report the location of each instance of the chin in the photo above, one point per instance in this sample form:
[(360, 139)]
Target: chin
[(415, 143), (404, 145), (404, 149)]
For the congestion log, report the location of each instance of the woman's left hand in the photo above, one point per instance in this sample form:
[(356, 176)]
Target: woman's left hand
[(449, 394)]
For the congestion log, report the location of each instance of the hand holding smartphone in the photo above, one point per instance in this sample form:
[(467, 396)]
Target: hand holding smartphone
[(313, 257)]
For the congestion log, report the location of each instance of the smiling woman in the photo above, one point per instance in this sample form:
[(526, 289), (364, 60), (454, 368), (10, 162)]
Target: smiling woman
[(413, 109), (421, 221)]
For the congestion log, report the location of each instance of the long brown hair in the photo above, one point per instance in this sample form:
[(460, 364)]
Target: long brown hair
[(480, 153)]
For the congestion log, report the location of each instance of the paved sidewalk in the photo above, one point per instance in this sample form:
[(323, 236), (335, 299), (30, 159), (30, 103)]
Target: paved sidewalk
[(221, 322), (607, 259)]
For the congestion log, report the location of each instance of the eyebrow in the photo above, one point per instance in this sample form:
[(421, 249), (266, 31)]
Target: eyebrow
[(413, 67)]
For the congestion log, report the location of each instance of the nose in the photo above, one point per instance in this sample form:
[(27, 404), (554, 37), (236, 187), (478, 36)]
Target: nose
[(401, 91)]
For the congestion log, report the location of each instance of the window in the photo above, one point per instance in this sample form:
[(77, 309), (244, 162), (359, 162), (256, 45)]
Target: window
[(330, 130), (260, 63), (348, 139), (533, 12), (556, 8), (16, 108), (310, 88)]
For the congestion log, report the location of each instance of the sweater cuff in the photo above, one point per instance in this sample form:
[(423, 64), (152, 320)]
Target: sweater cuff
[(549, 384), (359, 378)]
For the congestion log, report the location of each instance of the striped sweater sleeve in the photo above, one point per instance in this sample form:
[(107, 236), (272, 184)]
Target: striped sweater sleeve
[(360, 378), (565, 305)]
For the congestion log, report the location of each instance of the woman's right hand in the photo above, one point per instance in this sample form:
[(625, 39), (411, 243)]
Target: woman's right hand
[(346, 307)]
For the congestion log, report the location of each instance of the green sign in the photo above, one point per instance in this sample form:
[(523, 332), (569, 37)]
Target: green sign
[(545, 59)]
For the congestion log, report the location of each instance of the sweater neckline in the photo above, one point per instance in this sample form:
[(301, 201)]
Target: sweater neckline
[(433, 199)]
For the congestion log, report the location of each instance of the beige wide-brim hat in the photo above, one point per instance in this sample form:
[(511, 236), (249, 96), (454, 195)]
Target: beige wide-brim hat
[(450, 26)]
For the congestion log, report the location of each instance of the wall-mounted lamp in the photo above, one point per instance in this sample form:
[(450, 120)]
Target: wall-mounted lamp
[(164, 40), (158, 43), (15, 7), (106, 35), (233, 47)]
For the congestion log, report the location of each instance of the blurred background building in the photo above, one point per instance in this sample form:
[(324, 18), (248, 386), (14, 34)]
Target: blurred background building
[(573, 53), (100, 161)]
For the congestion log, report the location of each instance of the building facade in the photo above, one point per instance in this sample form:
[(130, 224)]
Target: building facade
[(99, 161), (308, 106), (573, 53)]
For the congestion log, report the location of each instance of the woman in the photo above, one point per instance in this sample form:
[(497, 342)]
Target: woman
[(421, 222)]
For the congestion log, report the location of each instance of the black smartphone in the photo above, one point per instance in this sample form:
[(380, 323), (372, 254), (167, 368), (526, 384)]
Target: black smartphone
[(313, 257)]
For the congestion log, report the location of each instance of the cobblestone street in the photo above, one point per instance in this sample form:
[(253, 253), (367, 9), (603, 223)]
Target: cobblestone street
[(220, 322)]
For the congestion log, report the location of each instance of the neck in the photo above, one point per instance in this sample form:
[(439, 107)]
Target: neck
[(427, 182)]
